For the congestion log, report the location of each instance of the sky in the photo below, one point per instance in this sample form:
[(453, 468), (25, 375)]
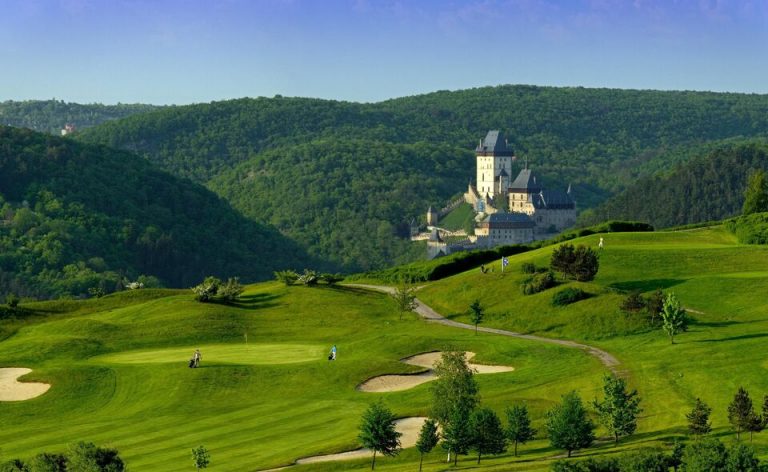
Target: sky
[(190, 51)]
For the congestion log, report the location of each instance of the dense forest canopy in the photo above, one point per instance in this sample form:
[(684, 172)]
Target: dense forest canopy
[(76, 216), (707, 188), (297, 162), (50, 116)]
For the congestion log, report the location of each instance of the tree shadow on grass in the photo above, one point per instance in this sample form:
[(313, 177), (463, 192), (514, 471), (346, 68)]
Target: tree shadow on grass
[(646, 285), (251, 302), (734, 338)]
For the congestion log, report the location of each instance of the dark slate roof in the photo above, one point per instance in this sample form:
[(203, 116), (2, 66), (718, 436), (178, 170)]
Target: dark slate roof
[(553, 200), (503, 173), (525, 182), (494, 144), (435, 236), (509, 220)]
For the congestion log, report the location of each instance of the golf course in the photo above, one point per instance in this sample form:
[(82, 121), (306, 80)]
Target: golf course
[(265, 395)]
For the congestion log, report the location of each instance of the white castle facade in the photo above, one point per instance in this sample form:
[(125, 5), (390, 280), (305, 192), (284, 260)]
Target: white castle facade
[(506, 212)]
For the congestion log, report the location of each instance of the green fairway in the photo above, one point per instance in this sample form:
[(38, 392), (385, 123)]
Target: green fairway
[(119, 377), (218, 354)]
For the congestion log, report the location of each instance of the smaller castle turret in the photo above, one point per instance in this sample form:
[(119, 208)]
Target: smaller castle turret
[(432, 217)]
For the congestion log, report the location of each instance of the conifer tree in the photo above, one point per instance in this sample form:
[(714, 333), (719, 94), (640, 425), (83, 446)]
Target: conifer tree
[(487, 434), (740, 412), (698, 419), (618, 411), (519, 430)]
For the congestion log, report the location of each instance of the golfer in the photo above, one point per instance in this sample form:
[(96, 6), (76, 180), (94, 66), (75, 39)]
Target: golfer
[(197, 357), (333, 353)]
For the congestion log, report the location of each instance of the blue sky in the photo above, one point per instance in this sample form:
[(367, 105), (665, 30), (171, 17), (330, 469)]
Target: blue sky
[(185, 51)]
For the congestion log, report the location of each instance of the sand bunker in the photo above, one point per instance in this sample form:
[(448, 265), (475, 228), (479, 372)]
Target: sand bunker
[(12, 390), (409, 427), (396, 383)]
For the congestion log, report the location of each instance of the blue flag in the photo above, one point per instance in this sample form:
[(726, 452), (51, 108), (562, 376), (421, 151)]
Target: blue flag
[(504, 262)]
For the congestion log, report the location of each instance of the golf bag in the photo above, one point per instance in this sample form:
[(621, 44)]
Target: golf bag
[(191, 363)]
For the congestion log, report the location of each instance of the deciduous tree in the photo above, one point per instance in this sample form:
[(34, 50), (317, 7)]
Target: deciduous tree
[(756, 193), (404, 298), (428, 439), (569, 426), (377, 431), (476, 313), (519, 430), (619, 409), (201, 457), (674, 319)]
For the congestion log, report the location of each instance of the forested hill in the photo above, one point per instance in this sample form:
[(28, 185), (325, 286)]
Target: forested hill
[(706, 188), (76, 216), (50, 116), (599, 140)]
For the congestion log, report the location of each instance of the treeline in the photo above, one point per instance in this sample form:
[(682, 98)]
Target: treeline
[(50, 116), (315, 167), (76, 217), (707, 188)]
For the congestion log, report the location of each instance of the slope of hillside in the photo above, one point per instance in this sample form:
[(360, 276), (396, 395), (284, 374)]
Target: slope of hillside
[(707, 188), (50, 116), (599, 140), (78, 216)]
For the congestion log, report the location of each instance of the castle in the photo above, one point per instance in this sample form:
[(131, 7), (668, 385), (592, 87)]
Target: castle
[(506, 212)]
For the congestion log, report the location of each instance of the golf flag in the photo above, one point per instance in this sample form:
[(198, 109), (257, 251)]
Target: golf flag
[(504, 263)]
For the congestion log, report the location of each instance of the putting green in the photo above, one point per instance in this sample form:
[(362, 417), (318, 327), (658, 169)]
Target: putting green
[(215, 354)]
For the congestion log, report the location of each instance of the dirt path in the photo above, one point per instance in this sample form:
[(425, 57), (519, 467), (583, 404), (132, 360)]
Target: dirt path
[(431, 315)]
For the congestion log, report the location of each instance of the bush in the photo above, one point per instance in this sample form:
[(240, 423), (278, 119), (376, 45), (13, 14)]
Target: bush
[(633, 303), (331, 279), (231, 290), (12, 300), (750, 229), (528, 268), (578, 263), (568, 295), (308, 278), (539, 283), (288, 277), (205, 291)]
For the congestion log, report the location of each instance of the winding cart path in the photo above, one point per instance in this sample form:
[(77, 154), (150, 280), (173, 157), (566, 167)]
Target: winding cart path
[(426, 312)]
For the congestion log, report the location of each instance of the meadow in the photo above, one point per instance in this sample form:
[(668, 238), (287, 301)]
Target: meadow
[(119, 375)]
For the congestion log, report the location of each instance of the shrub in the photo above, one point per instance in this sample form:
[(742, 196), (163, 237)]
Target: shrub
[(539, 283), (12, 300), (568, 295), (308, 278), (750, 229), (206, 290), (633, 303), (231, 290), (331, 279), (528, 268), (288, 277), (578, 263)]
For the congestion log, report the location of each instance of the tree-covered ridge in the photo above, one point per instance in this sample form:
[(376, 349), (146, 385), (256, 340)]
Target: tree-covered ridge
[(599, 140), (707, 188), (76, 216), (50, 116), (346, 199), (595, 138)]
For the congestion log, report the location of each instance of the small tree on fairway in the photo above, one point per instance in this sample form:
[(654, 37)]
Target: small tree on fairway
[(476, 313), (487, 433), (200, 457), (377, 431), (519, 430), (404, 299), (568, 425), (698, 419), (674, 319), (428, 439), (740, 412), (288, 277), (457, 435), (618, 411)]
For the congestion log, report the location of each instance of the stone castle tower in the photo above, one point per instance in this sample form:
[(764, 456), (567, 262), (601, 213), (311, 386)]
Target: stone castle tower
[(494, 165)]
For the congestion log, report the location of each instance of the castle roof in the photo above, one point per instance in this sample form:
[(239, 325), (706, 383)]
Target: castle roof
[(510, 220), (553, 200), (503, 173), (494, 144), (525, 182)]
